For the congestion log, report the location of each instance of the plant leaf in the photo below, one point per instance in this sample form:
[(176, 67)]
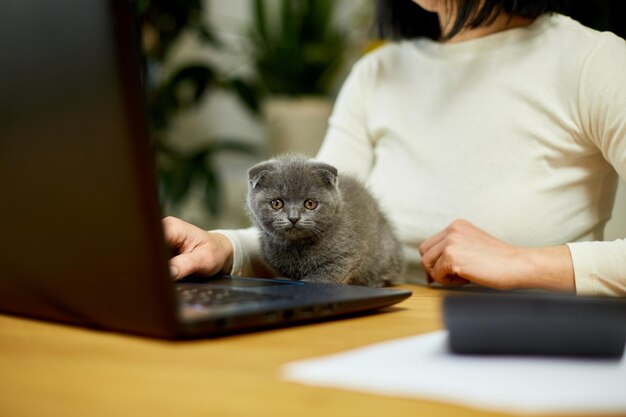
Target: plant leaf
[(199, 76), (212, 190), (247, 93), (304, 51), (175, 180), (207, 35), (260, 18)]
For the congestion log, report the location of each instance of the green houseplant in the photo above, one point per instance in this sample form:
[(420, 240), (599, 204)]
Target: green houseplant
[(162, 24), (297, 51), (297, 54)]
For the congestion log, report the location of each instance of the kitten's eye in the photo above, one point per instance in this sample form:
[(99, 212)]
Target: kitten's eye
[(277, 204), (310, 204)]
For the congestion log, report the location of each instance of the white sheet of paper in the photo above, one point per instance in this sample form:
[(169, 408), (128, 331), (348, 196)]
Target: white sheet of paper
[(422, 367)]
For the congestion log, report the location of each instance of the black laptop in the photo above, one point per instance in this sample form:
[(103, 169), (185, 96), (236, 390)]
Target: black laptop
[(80, 226)]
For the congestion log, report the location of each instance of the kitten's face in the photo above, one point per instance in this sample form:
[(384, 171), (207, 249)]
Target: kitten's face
[(294, 198)]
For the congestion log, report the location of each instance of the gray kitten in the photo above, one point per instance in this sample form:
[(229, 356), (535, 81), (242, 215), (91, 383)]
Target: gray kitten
[(317, 226)]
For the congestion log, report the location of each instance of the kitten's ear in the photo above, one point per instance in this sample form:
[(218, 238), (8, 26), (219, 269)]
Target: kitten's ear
[(326, 172), (258, 172)]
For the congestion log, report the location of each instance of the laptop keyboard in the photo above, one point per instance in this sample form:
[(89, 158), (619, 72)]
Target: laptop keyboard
[(206, 296)]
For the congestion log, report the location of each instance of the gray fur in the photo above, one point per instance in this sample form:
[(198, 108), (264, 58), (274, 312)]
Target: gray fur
[(345, 239)]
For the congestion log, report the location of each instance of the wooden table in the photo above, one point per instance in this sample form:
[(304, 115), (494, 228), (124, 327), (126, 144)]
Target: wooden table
[(55, 370)]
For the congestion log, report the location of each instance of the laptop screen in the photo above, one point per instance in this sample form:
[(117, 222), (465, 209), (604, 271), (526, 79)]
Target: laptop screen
[(79, 213)]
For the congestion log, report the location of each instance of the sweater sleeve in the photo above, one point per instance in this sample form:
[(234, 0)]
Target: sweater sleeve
[(247, 258), (600, 267), (347, 144)]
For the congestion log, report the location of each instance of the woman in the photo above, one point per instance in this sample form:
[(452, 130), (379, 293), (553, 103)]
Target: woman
[(498, 112)]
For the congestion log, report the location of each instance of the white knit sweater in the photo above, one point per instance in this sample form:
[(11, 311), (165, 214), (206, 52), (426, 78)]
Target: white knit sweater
[(520, 132)]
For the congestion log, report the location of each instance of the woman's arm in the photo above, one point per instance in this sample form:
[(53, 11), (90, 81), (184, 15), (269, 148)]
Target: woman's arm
[(347, 145), (600, 267), (463, 253), (196, 250), (233, 252)]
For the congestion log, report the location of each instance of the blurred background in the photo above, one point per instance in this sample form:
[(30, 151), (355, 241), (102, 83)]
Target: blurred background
[(232, 82)]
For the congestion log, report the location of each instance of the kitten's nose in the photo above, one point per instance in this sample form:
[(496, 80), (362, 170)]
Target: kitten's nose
[(293, 220)]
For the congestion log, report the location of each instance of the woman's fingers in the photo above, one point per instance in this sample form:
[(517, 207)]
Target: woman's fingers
[(463, 253), (199, 261), (196, 250)]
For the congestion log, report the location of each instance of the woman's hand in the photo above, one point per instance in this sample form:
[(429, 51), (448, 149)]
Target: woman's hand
[(198, 250), (463, 253)]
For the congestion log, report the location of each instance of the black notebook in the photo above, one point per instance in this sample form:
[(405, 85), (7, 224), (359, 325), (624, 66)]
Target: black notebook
[(536, 324)]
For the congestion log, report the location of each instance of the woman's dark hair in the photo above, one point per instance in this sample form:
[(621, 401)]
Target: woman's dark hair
[(404, 19)]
